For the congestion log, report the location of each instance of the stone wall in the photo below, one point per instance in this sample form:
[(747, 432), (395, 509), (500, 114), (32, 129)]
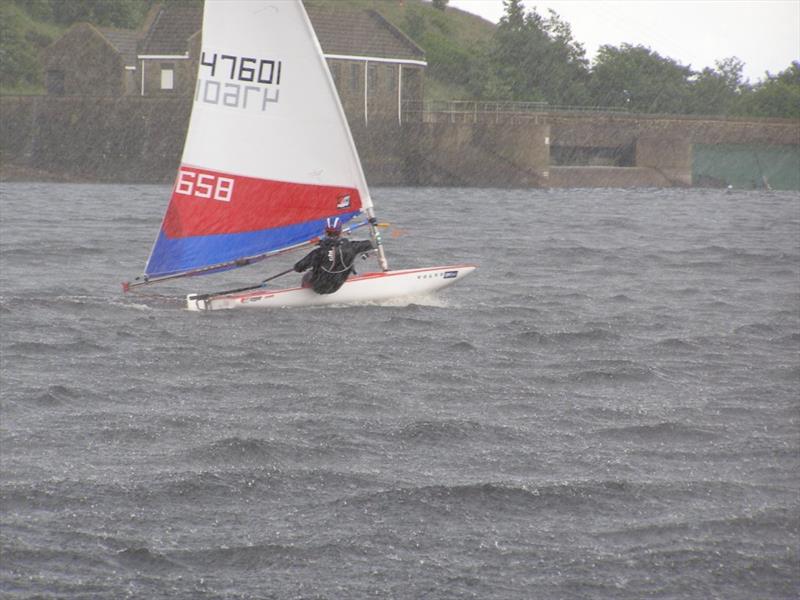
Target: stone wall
[(126, 139), (140, 139), (670, 155), (478, 155), (615, 129), (131, 139)]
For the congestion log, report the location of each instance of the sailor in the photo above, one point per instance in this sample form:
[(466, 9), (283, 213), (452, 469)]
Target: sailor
[(331, 262)]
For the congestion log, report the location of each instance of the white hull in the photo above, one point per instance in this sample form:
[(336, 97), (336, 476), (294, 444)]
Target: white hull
[(369, 287)]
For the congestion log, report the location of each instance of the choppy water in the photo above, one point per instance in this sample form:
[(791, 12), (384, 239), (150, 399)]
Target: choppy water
[(608, 408)]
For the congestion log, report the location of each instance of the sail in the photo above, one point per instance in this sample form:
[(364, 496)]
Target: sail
[(268, 154)]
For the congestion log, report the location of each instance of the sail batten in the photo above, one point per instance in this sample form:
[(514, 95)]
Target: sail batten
[(268, 154)]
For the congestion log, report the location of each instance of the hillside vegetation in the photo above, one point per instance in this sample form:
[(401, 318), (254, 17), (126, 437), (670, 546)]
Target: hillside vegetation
[(527, 57)]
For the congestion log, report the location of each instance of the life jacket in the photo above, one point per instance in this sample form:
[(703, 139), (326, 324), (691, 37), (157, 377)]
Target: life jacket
[(333, 263)]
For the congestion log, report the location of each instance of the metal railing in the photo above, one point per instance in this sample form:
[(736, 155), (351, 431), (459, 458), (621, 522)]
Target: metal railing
[(474, 111)]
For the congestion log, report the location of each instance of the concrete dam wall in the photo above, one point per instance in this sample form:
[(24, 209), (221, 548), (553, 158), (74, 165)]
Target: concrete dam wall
[(135, 139)]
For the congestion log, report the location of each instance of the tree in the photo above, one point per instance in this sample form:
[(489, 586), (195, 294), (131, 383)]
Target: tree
[(18, 64), (639, 79), (117, 13), (777, 96), (440, 4), (536, 58), (717, 91)]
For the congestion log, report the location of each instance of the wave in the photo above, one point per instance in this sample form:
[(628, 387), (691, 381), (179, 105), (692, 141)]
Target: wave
[(140, 558), (52, 396), (509, 309), (793, 339), (687, 292), (21, 559), (52, 495), (727, 255), (437, 431), (257, 557), (243, 449), (675, 345), (776, 519), (576, 252), (169, 488), (409, 322), (446, 498), (606, 371), (789, 373), (594, 377), (432, 300), (578, 337), (666, 431), (503, 498), (785, 273), (210, 486), (624, 223), (459, 431), (274, 454), (755, 329), (53, 251), (56, 395), (129, 434), (461, 347), (53, 348), (82, 302), (565, 338)]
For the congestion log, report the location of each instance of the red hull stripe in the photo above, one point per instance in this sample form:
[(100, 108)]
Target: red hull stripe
[(206, 202)]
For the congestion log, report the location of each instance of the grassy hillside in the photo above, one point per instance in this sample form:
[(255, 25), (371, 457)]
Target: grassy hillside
[(21, 40), (451, 40)]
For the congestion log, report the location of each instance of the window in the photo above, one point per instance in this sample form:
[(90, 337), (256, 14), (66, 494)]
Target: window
[(54, 82), (167, 76), (373, 78)]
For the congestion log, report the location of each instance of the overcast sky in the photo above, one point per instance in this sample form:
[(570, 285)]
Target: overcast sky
[(765, 34)]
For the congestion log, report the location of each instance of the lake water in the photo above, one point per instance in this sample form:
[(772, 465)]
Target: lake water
[(607, 408)]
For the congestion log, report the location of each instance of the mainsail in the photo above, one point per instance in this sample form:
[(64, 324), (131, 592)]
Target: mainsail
[(268, 154)]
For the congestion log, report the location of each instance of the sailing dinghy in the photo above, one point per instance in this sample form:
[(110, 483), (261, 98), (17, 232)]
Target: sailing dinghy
[(268, 158)]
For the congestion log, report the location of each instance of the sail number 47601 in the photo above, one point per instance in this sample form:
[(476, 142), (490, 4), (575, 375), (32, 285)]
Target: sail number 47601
[(204, 185)]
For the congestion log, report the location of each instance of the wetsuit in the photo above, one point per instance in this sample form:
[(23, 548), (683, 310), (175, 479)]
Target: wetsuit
[(331, 262)]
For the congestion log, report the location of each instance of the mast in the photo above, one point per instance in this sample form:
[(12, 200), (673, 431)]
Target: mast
[(366, 199), (376, 238)]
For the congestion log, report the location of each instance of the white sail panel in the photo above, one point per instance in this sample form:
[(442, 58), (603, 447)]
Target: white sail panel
[(265, 105)]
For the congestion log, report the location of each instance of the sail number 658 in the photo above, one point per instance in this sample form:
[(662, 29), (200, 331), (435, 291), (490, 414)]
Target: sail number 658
[(204, 185)]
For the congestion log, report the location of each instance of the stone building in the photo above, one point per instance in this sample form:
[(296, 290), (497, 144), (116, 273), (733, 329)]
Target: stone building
[(91, 61), (377, 69)]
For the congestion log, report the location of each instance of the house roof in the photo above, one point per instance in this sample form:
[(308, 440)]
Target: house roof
[(341, 30), (172, 27), (124, 42), (346, 31)]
